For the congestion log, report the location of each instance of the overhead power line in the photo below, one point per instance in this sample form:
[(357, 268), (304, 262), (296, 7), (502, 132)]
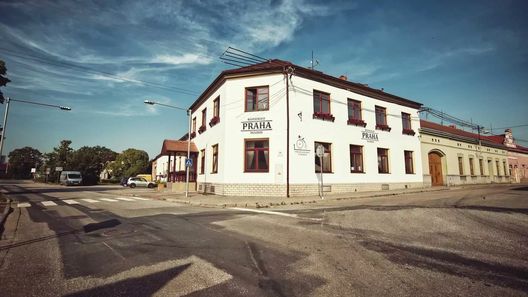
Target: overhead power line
[(516, 126), (81, 68)]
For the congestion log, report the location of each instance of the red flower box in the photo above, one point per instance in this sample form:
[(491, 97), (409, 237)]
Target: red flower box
[(214, 121), (324, 116), (202, 129), (408, 132), (357, 122), (383, 128)]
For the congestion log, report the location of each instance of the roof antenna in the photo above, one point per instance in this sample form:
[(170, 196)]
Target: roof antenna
[(313, 63)]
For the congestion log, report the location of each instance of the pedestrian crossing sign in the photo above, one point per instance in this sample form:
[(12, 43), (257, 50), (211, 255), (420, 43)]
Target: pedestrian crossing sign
[(188, 163)]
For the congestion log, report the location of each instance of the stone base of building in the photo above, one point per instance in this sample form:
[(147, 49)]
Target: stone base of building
[(457, 180), (279, 190)]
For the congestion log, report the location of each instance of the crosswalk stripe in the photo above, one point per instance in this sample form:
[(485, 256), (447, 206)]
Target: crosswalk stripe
[(24, 204), (125, 199), (90, 200), (48, 203), (139, 198), (108, 199), (71, 201)]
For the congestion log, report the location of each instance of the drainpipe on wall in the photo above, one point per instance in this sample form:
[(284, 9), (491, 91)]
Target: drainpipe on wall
[(287, 73)]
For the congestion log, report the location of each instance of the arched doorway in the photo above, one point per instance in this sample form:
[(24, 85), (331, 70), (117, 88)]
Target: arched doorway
[(435, 169)]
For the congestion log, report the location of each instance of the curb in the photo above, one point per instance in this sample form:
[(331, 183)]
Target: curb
[(311, 200)]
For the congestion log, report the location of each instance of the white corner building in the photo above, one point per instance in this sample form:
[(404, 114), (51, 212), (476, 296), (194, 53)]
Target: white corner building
[(257, 128)]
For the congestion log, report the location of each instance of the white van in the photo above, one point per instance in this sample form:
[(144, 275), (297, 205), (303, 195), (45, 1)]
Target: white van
[(69, 178)]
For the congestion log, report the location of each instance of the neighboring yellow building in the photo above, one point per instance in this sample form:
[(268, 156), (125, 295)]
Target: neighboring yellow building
[(455, 157)]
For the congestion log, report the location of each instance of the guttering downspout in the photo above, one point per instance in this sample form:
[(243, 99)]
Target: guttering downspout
[(288, 72)]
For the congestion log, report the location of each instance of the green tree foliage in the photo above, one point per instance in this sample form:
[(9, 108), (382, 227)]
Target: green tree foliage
[(130, 163), (3, 79), (22, 160), (60, 157), (90, 161)]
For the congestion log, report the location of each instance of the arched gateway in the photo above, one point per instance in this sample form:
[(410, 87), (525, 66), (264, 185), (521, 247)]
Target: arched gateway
[(435, 168)]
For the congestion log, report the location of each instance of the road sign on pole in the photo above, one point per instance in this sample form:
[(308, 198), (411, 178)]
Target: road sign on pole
[(188, 163)]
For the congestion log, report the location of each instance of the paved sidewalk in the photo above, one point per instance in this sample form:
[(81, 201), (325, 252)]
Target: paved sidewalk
[(211, 200)]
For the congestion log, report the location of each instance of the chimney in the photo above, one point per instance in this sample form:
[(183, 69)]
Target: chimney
[(452, 126), (343, 77)]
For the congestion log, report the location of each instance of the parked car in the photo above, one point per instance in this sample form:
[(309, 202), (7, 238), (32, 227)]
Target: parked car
[(140, 182), (69, 178), (124, 181)]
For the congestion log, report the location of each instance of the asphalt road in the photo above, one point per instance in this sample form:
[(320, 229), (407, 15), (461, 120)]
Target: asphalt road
[(98, 241)]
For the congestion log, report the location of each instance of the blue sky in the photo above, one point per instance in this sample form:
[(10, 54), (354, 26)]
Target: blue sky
[(467, 58)]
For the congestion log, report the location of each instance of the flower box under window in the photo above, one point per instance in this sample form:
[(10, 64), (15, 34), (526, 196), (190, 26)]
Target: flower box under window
[(202, 129), (383, 127), (193, 135), (356, 122), (408, 132), (324, 116), (214, 121)]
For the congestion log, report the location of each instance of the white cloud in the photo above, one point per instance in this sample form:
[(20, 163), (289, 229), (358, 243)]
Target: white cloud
[(182, 59)]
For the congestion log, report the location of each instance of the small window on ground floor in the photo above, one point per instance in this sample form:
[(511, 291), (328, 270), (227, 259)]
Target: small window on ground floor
[(327, 158), (256, 155), (356, 159), (383, 160), (408, 156)]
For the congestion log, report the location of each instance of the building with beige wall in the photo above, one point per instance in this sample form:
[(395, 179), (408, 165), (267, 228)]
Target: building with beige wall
[(517, 156), (455, 157)]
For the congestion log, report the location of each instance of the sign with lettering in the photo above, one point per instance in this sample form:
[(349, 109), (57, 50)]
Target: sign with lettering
[(300, 147), (256, 125), (369, 135)]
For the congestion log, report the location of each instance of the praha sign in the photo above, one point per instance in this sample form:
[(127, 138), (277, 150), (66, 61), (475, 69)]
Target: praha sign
[(369, 135), (256, 125)]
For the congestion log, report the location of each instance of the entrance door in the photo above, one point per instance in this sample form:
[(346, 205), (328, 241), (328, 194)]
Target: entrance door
[(435, 169)]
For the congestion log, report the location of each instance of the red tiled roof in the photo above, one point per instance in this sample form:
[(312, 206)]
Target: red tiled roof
[(497, 139), (451, 130), (278, 66), (176, 146)]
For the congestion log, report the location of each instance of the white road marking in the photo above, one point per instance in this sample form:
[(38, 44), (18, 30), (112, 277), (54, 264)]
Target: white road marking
[(24, 204), (48, 203), (266, 212), (291, 215), (125, 199), (108, 199), (90, 200), (71, 201), (139, 198)]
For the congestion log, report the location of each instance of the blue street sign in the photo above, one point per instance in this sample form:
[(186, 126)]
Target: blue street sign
[(188, 163)]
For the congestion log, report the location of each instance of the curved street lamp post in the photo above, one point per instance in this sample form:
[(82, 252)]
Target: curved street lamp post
[(187, 169), (7, 101)]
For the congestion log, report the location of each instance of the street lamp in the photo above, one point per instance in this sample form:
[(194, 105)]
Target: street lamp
[(4, 128), (187, 169)]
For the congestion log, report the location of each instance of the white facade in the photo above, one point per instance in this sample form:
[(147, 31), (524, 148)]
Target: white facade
[(234, 128), (160, 166)]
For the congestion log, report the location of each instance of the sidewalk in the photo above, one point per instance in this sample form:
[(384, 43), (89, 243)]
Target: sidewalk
[(211, 200)]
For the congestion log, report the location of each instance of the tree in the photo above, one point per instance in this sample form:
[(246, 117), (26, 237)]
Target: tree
[(22, 160), (90, 161), (130, 163), (3, 79), (60, 157)]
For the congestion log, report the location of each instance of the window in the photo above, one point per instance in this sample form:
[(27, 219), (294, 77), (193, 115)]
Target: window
[(356, 159), (216, 112), (322, 106), (354, 113), (215, 159), (202, 161), (256, 155), (383, 160), (504, 167), (406, 124), (216, 108), (471, 169), (194, 125), (204, 116), (406, 121), (481, 167), (498, 168), (327, 158), (461, 165), (381, 119), (408, 156), (257, 98)]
